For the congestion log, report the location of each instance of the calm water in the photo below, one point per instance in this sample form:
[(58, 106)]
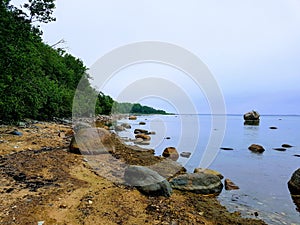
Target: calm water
[(262, 178)]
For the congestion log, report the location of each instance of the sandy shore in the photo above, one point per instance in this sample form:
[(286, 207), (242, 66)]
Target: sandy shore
[(42, 181)]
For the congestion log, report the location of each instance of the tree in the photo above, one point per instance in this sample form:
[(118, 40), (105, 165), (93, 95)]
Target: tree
[(40, 10)]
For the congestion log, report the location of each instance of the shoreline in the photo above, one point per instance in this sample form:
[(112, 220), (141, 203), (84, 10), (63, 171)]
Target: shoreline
[(43, 181)]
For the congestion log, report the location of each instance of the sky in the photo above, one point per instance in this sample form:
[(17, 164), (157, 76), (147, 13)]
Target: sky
[(251, 48)]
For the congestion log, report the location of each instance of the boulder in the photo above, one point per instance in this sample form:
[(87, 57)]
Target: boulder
[(140, 131), (256, 148), (91, 141), (185, 154), (199, 183), (294, 183), (171, 153), (132, 117), (229, 185), (119, 128), (143, 136), (126, 125), (208, 171), (147, 181), (253, 115), (168, 168)]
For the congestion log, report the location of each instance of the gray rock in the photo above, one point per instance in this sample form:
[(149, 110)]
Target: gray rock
[(200, 183), (126, 125), (147, 181), (253, 115), (185, 154), (294, 183)]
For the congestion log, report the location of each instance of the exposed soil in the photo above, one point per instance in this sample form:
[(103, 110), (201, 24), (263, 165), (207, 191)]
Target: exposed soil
[(41, 181)]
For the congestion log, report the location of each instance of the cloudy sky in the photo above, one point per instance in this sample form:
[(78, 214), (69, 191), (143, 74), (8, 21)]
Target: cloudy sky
[(251, 47)]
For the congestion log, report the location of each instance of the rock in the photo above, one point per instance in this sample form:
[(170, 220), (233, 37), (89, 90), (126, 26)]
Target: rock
[(253, 115), (138, 140), (143, 136), (16, 132), (280, 149), (171, 153), (91, 141), (126, 125), (151, 133), (208, 171), (227, 149), (185, 154), (119, 128), (167, 138), (297, 155), (140, 131), (142, 123), (168, 168), (273, 128), (251, 122), (229, 185), (256, 148), (286, 146), (132, 117), (200, 183), (80, 125), (144, 143), (294, 183), (147, 181)]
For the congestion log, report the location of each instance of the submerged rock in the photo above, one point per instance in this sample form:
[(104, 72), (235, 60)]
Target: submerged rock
[(171, 152), (147, 181), (199, 183), (286, 146), (294, 183), (256, 148), (280, 149)]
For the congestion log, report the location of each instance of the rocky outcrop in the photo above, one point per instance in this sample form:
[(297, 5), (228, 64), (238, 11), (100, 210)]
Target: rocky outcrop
[(200, 183), (170, 153), (251, 118), (256, 148), (91, 141), (147, 181), (294, 183), (209, 171), (229, 185)]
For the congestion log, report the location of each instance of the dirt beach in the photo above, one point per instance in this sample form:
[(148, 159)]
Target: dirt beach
[(41, 181)]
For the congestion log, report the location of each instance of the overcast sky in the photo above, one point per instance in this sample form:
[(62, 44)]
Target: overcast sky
[(251, 47)]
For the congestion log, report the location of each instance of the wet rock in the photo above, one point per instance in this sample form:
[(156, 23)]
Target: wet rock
[(140, 131), (256, 148), (171, 153), (91, 141), (132, 117), (126, 125), (208, 171), (229, 185), (286, 146), (142, 123), (200, 183), (168, 168), (227, 149), (185, 154), (280, 149), (296, 155), (251, 122), (253, 115), (147, 181), (273, 128), (143, 136), (294, 183)]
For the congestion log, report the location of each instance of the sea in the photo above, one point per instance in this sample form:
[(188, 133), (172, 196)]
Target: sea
[(262, 178)]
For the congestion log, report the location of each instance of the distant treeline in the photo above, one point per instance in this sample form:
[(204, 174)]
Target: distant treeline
[(38, 81)]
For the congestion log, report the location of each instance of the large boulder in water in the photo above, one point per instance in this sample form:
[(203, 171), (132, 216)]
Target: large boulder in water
[(91, 141), (200, 183), (147, 181), (294, 183), (251, 118), (256, 148)]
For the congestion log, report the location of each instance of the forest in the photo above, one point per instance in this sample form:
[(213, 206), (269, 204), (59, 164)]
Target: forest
[(38, 81)]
